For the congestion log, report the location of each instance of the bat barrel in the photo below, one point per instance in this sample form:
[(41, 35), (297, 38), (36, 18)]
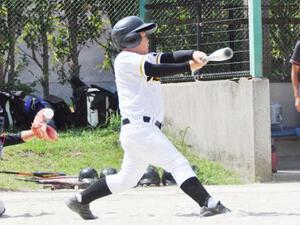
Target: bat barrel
[(221, 54)]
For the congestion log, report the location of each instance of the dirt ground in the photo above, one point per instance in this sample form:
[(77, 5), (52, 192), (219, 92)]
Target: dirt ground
[(254, 204)]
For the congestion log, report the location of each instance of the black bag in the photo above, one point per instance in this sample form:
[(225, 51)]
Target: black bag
[(16, 115), (3, 100), (92, 104), (63, 117)]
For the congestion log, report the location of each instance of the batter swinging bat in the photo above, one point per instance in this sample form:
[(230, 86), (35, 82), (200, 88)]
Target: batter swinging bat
[(220, 55), (35, 174)]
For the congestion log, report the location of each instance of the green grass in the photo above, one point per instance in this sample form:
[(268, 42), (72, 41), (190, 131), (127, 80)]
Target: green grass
[(79, 148)]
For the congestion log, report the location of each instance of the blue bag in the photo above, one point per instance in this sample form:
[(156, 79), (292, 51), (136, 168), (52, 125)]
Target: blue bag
[(33, 104)]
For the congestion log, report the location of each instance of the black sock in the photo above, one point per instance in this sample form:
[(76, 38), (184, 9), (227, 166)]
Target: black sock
[(95, 191), (193, 188)]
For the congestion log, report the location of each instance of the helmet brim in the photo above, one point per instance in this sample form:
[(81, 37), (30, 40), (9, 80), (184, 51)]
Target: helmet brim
[(149, 28)]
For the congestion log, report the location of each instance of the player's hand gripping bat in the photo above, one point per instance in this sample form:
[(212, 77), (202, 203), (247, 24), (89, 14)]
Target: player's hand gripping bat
[(36, 174)]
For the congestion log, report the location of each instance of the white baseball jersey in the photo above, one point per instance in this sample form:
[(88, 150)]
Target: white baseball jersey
[(143, 142), (138, 96)]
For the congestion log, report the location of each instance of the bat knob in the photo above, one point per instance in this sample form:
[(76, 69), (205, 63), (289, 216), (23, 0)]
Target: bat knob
[(228, 52)]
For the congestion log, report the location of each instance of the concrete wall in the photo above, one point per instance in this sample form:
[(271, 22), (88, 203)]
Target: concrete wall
[(282, 93), (224, 121)]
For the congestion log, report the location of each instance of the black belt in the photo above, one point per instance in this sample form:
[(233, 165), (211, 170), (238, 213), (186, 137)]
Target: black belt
[(146, 119)]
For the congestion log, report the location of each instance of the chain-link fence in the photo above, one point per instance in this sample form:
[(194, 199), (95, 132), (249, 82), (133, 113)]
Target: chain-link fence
[(281, 28), (209, 25), (52, 34), (40, 38), (206, 26)]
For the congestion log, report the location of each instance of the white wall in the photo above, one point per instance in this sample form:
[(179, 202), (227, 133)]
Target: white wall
[(90, 60), (225, 121)]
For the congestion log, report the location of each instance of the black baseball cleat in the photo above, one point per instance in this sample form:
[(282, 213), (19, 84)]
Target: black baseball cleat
[(82, 209), (219, 209)]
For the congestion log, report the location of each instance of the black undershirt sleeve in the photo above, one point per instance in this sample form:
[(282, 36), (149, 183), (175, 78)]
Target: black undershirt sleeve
[(11, 139), (176, 57), (165, 69), (295, 59)]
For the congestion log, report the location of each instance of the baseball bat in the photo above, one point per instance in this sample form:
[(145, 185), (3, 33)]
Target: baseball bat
[(67, 183), (35, 174), (220, 55)]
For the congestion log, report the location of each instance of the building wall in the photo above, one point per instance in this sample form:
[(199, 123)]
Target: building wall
[(90, 59)]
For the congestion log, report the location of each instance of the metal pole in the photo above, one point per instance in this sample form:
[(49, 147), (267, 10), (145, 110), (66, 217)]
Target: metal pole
[(142, 9), (255, 38), (199, 26)]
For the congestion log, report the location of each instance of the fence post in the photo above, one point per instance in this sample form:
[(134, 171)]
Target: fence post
[(142, 9), (255, 38)]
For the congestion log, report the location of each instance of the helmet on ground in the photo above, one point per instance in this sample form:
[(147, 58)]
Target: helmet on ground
[(2, 208), (195, 168), (125, 33), (88, 173), (167, 178), (107, 171), (150, 177)]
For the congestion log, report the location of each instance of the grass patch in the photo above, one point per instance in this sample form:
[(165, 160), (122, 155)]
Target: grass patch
[(208, 172), (80, 148)]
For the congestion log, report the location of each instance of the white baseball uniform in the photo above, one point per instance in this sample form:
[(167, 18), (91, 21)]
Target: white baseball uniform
[(143, 142)]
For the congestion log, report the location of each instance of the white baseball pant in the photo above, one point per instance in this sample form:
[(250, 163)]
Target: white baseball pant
[(144, 144)]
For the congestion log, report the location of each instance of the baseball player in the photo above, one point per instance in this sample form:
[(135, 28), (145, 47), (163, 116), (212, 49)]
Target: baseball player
[(39, 129), (138, 75), (295, 73)]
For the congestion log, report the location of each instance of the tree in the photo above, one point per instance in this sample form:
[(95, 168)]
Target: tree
[(37, 32), (12, 19), (82, 23), (284, 27)]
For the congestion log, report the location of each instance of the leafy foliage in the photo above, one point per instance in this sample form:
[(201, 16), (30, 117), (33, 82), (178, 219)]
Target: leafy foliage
[(284, 28), (80, 148), (80, 24)]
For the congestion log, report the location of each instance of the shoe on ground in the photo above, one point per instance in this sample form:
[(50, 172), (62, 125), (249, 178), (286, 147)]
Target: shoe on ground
[(82, 209), (219, 209)]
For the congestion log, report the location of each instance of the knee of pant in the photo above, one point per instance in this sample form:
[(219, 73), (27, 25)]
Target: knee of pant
[(129, 181), (118, 183), (178, 163), (182, 171)]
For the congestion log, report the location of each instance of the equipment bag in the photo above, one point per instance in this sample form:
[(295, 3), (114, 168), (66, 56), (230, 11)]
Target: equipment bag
[(34, 104), (63, 117)]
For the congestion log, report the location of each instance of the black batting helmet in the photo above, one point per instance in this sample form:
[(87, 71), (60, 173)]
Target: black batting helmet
[(167, 178), (125, 33), (150, 177), (89, 173), (107, 171)]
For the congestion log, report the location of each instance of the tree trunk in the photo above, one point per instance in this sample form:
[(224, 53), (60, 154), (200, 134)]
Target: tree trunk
[(267, 48), (12, 42), (2, 75), (45, 57), (72, 15)]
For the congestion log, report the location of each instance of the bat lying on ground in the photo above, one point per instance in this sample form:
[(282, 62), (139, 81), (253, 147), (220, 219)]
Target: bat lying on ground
[(36, 174), (69, 182)]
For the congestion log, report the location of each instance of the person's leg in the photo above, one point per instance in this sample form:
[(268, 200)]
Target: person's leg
[(173, 161), (132, 169), (127, 178)]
